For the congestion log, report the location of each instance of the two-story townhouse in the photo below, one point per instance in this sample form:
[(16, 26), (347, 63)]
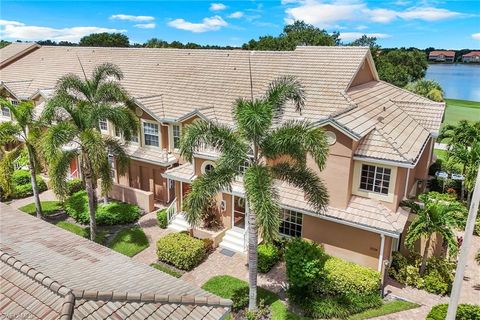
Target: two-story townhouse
[(380, 136)]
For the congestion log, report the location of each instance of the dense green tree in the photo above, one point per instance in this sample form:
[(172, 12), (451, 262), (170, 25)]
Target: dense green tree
[(430, 89), (4, 43), (76, 110), (401, 66), (156, 43), (23, 133), (258, 126), (297, 34), (434, 216), (105, 39)]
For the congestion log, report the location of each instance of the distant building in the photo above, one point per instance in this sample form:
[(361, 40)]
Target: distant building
[(473, 56), (442, 56)]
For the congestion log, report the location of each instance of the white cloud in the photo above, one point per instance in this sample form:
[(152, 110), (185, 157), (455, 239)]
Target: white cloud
[(217, 7), (402, 3), (236, 15), (145, 25), (207, 24), (20, 31), (361, 27), (350, 36), (132, 18), (427, 14), (328, 13), (476, 36)]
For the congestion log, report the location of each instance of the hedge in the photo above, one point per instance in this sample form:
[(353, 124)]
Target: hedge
[(20, 177), (74, 186), (26, 190), (268, 256), (181, 250), (162, 218), (464, 312), (76, 206)]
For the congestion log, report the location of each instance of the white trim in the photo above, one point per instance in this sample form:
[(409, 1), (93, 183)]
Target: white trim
[(380, 256), (162, 164), (339, 127), (143, 133), (171, 135), (205, 164), (168, 190)]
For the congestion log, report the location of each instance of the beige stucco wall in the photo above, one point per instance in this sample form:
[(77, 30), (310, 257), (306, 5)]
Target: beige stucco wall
[(363, 75), (144, 199), (351, 244)]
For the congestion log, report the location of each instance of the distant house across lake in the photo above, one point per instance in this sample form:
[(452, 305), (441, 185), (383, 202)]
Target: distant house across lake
[(473, 56), (442, 56)]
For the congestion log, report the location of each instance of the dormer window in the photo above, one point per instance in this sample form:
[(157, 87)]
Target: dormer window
[(375, 179)]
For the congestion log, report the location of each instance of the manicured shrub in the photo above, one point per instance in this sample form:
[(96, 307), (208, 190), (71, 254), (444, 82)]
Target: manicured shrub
[(304, 261), (76, 206), (181, 250), (464, 312), (340, 277), (162, 218), (208, 243), (438, 277), (75, 185), (26, 190), (20, 177), (268, 256)]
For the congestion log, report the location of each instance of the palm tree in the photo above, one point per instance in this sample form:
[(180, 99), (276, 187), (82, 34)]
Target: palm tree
[(23, 133), (77, 108), (434, 216), (430, 89), (278, 151)]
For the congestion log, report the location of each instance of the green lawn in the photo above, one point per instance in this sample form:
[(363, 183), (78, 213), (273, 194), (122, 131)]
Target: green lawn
[(48, 207), (461, 110), (387, 308), (441, 154), (226, 286), (129, 241), (166, 270), (81, 231)]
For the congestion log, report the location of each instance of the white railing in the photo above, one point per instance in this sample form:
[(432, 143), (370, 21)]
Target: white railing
[(171, 211)]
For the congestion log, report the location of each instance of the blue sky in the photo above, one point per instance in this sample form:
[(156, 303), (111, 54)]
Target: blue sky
[(445, 24)]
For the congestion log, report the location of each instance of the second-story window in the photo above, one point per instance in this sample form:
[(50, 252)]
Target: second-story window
[(5, 112), (103, 124), (291, 223), (176, 136), (375, 179), (150, 134)]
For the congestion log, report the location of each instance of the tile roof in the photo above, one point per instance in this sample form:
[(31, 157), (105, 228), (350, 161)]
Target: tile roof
[(395, 123), (15, 50), (442, 52), (362, 212), (472, 54), (154, 155), (45, 269)]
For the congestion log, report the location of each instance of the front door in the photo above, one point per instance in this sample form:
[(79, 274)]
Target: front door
[(238, 214)]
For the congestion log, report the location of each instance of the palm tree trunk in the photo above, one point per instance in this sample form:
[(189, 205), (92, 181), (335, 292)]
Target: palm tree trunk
[(252, 261), (462, 189), (33, 179), (91, 205), (425, 256)]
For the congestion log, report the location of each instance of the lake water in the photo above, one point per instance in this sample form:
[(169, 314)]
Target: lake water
[(459, 81)]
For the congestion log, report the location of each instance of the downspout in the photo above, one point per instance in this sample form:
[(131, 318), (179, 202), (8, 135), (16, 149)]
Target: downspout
[(405, 195), (380, 256)]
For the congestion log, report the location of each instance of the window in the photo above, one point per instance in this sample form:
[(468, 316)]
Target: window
[(103, 124), (244, 167), (118, 134), (176, 136), (291, 223), (134, 138), (5, 112), (150, 134), (14, 102), (207, 167), (375, 179)]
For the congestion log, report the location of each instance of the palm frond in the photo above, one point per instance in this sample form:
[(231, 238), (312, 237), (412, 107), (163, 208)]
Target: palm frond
[(93, 145), (105, 175), (7, 168), (283, 89), (9, 133), (111, 92), (296, 139), (262, 198), (121, 117), (57, 136), (58, 168), (253, 118), (104, 71), (305, 179), (117, 149)]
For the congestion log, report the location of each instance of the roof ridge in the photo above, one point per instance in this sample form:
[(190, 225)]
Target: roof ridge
[(71, 295), (417, 102), (406, 91)]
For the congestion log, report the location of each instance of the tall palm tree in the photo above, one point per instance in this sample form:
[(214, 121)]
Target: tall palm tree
[(23, 133), (77, 108), (279, 151), (430, 89), (434, 216)]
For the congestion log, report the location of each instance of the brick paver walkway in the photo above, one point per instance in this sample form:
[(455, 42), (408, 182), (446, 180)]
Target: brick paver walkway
[(153, 232), (44, 196)]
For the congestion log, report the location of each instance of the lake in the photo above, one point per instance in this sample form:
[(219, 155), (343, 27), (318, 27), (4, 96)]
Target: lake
[(459, 81)]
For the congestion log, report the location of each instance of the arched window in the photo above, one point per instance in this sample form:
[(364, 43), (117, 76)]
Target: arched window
[(208, 166)]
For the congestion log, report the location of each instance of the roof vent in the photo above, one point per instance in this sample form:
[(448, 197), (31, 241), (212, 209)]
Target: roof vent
[(380, 119), (234, 68), (384, 108)]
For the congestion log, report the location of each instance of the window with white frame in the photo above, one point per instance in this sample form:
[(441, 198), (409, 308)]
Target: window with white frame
[(176, 136), (207, 166), (375, 179), (14, 102), (5, 112), (103, 124), (244, 167), (291, 223), (118, 133), (150, 134)]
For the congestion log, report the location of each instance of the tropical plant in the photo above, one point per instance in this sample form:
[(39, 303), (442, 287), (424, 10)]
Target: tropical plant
[(77, 108), (258, 127), (433, 216), (23, 133), (463, 144), (430, 89)]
